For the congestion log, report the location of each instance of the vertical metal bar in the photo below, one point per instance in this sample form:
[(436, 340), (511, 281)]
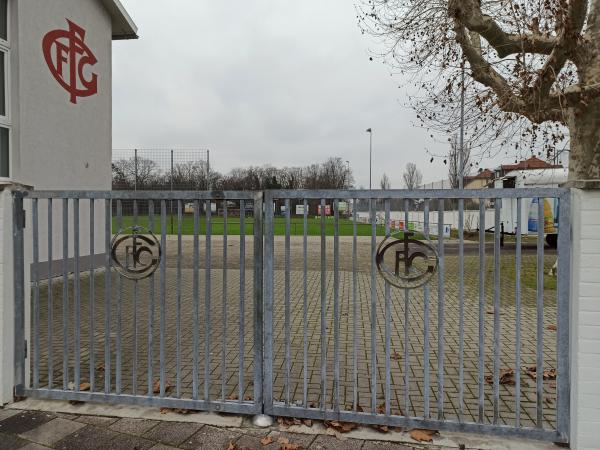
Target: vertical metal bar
[(107, 292), (540, 315), (119, 355), (36, 295), (91, 315), (207, 301), (151, 310), (323, 307), (426, 381), (336, 304), (286, 376), (163, 297), (388, 319), (518, 316), (77, 282), (178, 295), (563, 382), (65, 312), (135, 311), (242, 301), (496, 387), (372, 206), (258, 302), (224, 304), (50, 297), (354, 306), (481, 307), (461, 308), (19, 288), (406, 326), (196, 300), (268, 319), (305, 304), (441, 298)]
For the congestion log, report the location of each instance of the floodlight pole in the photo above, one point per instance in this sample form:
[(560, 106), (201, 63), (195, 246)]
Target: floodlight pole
[(370, 131), (461, 182)]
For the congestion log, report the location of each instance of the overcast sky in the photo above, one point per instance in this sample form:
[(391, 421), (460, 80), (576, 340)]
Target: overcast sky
[(285, 83)]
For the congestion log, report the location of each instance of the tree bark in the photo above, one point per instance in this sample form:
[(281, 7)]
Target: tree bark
[(584, 129)]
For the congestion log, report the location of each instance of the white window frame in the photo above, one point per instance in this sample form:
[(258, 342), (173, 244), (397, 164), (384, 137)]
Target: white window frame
[(5, 120)]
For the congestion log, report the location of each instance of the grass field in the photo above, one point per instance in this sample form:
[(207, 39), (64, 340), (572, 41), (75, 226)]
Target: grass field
[(233, 226)]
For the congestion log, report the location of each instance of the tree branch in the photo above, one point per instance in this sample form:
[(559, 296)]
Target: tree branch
[(468, 13)]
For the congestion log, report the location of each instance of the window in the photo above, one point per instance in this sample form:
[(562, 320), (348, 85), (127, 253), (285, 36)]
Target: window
[(5, 120)]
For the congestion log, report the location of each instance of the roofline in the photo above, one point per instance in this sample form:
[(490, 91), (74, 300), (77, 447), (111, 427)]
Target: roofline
[(122, 24)]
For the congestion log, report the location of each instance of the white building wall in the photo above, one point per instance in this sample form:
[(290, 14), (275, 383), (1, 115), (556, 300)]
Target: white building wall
[(585, 320)]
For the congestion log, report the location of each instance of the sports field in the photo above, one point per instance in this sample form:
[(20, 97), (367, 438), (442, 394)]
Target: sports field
[(346, 226)]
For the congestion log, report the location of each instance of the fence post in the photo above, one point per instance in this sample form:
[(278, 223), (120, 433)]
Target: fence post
[(19, 294), (585, 316)]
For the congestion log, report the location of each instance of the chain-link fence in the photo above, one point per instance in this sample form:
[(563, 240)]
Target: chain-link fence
[(159, 170)]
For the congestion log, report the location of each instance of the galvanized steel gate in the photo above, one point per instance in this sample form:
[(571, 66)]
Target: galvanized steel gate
[(372, 313)]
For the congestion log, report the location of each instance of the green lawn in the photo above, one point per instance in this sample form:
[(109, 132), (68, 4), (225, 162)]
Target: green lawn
[(233, 226)]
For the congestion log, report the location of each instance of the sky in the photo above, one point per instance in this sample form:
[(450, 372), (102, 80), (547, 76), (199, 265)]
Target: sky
[(284, 83)]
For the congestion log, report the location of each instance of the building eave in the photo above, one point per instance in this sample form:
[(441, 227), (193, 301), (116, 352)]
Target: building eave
[(123, 26)]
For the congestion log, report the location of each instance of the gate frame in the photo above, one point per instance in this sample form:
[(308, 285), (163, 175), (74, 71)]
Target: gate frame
[(563, 412), (21, 356)]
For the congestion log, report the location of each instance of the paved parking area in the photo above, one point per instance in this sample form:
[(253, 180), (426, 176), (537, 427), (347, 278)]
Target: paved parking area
[(136, 330)]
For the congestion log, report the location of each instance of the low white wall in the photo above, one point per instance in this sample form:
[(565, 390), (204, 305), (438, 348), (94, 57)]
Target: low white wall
[(585, 320)]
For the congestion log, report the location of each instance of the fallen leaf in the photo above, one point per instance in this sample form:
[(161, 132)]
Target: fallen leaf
[(549, 374), (156, 387), (505, 377), (84, 387), (288, 421), (266, 440), (232, 446), (551, 327), (341, 427), (283, 440), (100, 368), (307, 422), (290, 446), (396, 356), (232, 397), (420, 435)]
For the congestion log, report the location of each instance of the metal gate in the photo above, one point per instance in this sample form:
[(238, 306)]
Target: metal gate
[(429, 309)]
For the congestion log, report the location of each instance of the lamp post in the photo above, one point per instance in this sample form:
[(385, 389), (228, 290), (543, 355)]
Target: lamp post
[(348, 173), (370, 131)]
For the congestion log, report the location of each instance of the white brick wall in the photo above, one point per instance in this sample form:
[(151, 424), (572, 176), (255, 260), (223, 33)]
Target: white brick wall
[(585, 320)]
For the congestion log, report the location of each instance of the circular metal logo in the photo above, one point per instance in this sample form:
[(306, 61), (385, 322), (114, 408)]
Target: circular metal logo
[(406, 263), (135, 252)]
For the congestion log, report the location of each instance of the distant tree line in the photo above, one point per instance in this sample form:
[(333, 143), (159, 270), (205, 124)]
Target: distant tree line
[(146, 174)]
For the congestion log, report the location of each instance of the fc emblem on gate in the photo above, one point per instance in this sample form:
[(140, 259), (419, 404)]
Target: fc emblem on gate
[(67, 57), (406, 263), (137, 255)]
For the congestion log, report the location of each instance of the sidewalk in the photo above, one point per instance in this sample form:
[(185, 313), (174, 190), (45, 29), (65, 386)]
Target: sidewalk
[(147, 428)]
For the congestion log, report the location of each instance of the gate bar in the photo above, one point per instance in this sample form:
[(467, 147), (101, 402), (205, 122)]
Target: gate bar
[(19, 287)]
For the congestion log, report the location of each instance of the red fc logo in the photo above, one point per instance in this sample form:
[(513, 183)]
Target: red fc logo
[(67, 57)]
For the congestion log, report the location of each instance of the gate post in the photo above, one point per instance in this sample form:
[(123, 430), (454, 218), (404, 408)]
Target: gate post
[(585, 316), (19, 293)]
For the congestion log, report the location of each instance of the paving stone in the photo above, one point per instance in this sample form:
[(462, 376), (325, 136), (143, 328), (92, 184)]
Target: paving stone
[(6, 413), (375, 445), (87, 438), (137, 427), (172, 433), (163, 447), (34, 446), (250, 443), (333, 443), (97, 420), (10, 442), (24, 421), (51, 432), (126, 442), (211, 438), (305, 440)]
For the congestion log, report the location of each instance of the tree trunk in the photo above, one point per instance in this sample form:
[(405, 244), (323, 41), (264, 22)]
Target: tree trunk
[(584, 128)]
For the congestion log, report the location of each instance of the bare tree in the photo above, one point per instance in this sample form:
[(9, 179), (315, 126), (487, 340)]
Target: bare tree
[(132, 175), (454, 162), (385, 182), (533, 70), (412, 177)]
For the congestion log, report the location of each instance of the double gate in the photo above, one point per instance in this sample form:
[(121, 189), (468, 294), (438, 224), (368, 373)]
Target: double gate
[(397, 308)]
